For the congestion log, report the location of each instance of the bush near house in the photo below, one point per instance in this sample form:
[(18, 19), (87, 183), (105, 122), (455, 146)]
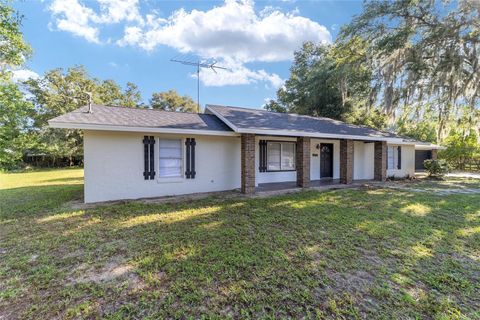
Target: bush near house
[(436, 168), (463, 151)]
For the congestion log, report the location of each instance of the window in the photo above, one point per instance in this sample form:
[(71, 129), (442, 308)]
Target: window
[(394, 157), (273, 156), (288, 156), (170, 153), (280, 156)]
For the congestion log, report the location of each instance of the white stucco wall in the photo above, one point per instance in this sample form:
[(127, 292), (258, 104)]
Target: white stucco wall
[(267, 177), (408, 162), (363, 160), (315, 160), (114, 166)]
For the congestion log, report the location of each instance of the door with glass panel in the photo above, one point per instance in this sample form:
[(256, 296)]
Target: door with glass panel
[(326, 160)]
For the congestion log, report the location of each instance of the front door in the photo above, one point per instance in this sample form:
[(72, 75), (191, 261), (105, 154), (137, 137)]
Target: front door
[(326, 160)]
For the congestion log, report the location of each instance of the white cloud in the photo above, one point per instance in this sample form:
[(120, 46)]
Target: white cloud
[(72, 16), (231, 31), (238, 74), (115, 11), (132, 35), (23, 75)]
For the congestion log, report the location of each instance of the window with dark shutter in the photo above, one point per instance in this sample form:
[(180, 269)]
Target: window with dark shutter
[(394, 157), (149, 157), (170, 157), (190, 158), (262, 167), (280, 156), (146, 158), (399, 163)]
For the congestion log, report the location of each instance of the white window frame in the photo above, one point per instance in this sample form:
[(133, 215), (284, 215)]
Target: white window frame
[(280, 154), (181, 177), (394, 156)]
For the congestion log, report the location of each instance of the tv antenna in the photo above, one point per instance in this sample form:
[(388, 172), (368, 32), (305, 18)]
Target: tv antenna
[(87, 94), (207, 64)]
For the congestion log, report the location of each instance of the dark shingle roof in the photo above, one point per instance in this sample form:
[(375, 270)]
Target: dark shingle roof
[(140, 117), (255, 119)]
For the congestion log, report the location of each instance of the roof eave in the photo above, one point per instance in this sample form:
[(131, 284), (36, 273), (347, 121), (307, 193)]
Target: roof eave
[(429, 147), (103, 127), (320, 135)]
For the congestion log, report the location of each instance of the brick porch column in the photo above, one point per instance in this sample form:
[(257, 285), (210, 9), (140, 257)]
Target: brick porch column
[(248, 163), (346, 161), (434, 154), (302, 159), (380, 161)]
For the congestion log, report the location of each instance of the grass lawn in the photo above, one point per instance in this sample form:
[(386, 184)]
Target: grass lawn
[(370, 253)]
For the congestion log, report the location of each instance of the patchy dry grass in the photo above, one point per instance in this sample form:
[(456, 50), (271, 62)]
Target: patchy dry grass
[(452, 182), (372, 253)]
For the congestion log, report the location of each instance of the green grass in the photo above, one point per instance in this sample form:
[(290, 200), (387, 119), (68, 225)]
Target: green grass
[(36, 192), (369, 253), (457, 183)]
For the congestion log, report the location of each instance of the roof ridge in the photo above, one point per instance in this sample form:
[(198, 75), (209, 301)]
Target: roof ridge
[(287, 113), (121, 116), (144, 108)]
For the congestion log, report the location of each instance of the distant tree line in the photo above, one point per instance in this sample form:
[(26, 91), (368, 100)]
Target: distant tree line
[(26, 108)]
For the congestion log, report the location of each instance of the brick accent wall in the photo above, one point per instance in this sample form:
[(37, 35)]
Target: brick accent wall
[(248, 163), (346, 161), (303, 161), (380, 161), (434, 154)]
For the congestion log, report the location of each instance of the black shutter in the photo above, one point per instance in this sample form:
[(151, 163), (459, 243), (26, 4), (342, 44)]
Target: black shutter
[(149, 157), (262, 166), (190, 158), (399, 164), (386, 159), (152, 157), (146, 170), (192, 161), (187, 155)]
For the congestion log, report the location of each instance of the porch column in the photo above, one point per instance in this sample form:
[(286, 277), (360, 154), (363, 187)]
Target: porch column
[(434, 154), (346, 161), (248, 163), (380, 161), (302, 159)]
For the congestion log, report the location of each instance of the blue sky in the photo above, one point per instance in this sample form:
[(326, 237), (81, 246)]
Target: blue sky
[(134, 41)]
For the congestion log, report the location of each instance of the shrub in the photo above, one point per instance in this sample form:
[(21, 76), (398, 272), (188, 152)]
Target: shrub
[(436, 168)]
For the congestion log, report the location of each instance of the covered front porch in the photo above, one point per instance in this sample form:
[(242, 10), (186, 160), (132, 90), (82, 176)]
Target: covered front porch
[(308, 168)]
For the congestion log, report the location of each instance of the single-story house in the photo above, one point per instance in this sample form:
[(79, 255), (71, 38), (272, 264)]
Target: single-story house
[(132, 153)]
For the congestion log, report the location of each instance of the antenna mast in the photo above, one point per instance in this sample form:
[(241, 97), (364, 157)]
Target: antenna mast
[(89, 94), (199, 64)]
